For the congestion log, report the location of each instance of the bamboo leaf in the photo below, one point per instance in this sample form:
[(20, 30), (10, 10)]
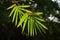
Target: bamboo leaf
[(25, 6), (38, 13), (12, 11), (42, 29), (33, 27), (29, 27), (20, 12), (37, 27), (35, 31), (11, 6), (22, 19), (26, 10), (16, 18), (41, 24), (14, 15), (24, 24), (39, 19)]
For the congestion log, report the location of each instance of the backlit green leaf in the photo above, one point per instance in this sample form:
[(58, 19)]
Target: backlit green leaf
[(38, 13), (12, 11), (24, 24), (11, 6), (37, 27), (24, 6), (42, 29), (16, 18), (35, 31), (26, 10), (29, 26), (39, 19), (41, 24), (20, 12), (14, 15), (22, 19)]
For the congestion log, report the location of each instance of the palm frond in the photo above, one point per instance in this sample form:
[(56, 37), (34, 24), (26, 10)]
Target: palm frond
[(25, 17), (22, 19)]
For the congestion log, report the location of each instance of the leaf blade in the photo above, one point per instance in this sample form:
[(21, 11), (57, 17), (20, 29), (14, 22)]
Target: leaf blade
[(12, 11), (11, 6), (25, 6), (22, 19), (38, 13), (24, 24), (16, 21), (39, 19), (42, 25)]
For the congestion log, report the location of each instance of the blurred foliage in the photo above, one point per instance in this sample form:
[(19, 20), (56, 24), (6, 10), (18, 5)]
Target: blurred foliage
[(46, 6), (27, 18)]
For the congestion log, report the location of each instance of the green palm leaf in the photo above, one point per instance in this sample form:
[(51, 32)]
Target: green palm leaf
[(42, 25), (35, 31), (22, 19), (39, 19), (33, 22), (24, 24), (38, 13), (26, 10), (24, 6), (29, 26), (12, 11), (14, 15), (11, 6), (38, 27), (20, 12), (16, 21), (42, 29), (33, 27)]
